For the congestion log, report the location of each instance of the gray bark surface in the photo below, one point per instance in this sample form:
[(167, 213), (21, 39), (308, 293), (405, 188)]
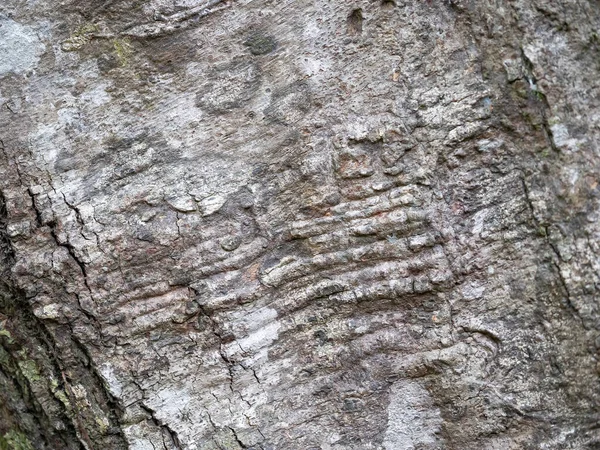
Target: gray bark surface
[(233, 224)]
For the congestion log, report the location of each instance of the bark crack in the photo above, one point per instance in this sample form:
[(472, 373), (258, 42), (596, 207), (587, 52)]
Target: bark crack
[(237, 439), (161, 425), (214, 328), (540, 97), (556, 258)]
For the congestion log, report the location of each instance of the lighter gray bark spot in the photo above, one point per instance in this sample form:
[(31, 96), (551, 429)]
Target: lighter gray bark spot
[(20, 48), (413, 420)]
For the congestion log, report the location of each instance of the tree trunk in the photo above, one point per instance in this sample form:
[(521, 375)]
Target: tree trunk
[(289, 224)]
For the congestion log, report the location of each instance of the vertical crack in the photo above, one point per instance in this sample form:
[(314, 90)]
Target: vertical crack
[(66, 244), (540, 97), (161, 425), (237, 439), (221, 342), (556, 258)]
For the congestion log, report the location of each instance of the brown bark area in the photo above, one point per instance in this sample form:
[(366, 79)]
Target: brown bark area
[(292, 225)]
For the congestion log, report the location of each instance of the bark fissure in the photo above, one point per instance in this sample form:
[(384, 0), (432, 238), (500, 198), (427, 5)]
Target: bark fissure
[(555, 255), (162, 426)]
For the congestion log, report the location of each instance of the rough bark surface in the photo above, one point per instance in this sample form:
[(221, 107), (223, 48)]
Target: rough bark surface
[(299, 224)]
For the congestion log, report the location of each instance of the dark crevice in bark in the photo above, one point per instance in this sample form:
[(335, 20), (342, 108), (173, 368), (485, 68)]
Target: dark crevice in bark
[(69, 247), (355, 22), (71, 250), (114, 409), (66, 244), (24, 412), (38, 216), (162, 426), (237, 439)]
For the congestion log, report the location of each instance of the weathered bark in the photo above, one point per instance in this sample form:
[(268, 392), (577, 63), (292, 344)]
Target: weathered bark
[(299, 224)]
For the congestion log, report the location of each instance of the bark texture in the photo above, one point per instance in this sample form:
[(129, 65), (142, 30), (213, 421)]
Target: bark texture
[(299, 224)]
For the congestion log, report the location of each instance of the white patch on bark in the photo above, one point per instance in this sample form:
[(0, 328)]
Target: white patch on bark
[(472, 291), (96, 96), (212, 204), (19, 46), (114, 385), (262, 330), (562, 138), (170, 403), (413, 419)]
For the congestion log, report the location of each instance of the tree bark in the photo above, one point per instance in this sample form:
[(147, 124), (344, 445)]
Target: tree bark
[(232, 224)]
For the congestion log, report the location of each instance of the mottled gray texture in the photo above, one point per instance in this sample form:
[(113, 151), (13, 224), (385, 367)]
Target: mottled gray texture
[(300, 224)]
